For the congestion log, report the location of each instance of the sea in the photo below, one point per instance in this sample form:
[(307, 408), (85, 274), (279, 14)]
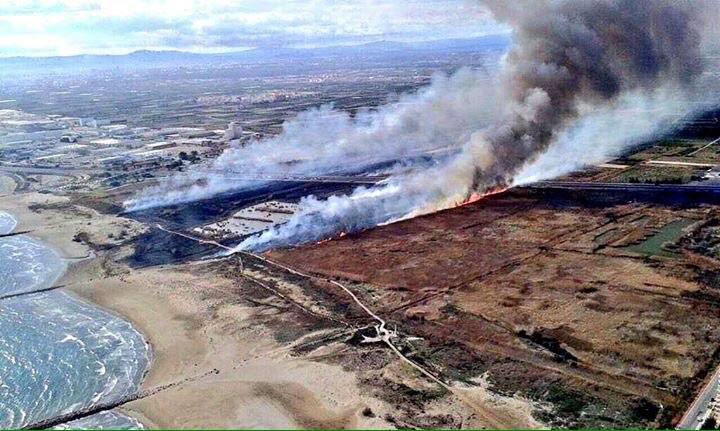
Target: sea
[(59, 354)]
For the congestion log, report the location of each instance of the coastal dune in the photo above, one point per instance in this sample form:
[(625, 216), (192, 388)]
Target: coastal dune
[(225, 370), (217, 366)]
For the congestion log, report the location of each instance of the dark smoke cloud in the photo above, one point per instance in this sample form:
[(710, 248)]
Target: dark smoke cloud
[(581, 75), (568, 52), (571, 60)]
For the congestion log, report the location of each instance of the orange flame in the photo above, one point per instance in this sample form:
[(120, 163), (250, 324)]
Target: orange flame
[(475, 196), (340, 235)]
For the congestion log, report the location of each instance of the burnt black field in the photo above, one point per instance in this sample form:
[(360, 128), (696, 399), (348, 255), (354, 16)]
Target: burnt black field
[(703, 126), (157, 247), (669, 195)]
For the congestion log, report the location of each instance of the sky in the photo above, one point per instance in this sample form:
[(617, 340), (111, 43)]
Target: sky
[(71, 27)]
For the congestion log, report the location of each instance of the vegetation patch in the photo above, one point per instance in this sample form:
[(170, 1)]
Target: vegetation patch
[(657, 245)]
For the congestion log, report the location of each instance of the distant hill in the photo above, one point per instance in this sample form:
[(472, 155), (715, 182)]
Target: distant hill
[(153, 59)]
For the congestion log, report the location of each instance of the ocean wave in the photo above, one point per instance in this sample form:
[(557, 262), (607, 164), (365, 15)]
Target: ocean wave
[(7, 223), (27, 264), (48, 325), (59, 354)]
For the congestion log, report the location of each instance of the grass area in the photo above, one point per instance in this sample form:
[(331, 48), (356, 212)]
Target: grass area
[(654, 246), (659, 174), (710, 154), (668, 148), (605, 237), (682, 142)]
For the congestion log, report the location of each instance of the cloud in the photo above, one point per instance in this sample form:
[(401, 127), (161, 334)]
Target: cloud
[(87, 26)]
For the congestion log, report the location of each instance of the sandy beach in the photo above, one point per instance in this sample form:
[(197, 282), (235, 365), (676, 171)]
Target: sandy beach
[(224, 359), (253, 382), (226, 370)]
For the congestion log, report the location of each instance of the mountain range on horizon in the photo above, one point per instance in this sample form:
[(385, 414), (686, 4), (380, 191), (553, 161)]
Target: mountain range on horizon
[(150, 58)]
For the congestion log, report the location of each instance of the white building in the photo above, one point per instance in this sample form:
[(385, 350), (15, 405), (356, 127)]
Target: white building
[(234, 131)]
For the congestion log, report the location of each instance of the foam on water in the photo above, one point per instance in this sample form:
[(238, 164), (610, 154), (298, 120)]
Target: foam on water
[(109, 420), (7, 223), (27, 265), (59, 354)]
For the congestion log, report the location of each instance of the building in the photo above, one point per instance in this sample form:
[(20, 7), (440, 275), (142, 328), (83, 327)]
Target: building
[(234, 131)]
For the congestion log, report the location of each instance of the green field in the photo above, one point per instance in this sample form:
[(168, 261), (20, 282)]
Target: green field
[(649, 174), (653, 246)]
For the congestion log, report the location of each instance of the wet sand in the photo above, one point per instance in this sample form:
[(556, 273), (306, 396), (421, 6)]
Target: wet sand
[(256, 382), (247, 378)]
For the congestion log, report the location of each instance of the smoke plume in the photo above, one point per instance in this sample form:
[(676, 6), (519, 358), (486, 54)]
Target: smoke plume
[(320, 141), (572, 52), (582, 80)]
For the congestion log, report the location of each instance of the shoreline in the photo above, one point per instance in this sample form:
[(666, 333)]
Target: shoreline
[(183, 314), (52, 277), (185, 347), (74, 255)]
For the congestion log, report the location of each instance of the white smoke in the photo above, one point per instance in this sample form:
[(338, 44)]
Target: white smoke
[(597, 136), (324, 140), (601, 134), (573, 92)]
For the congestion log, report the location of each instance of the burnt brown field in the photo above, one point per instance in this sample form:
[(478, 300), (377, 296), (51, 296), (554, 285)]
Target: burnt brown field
[(605, 316)]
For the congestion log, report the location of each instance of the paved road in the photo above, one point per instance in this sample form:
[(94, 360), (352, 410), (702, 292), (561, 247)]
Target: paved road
[(61, 172), (698, 410), (673, 163), (559, 185), (335, 179), (369, 180), (624, 187)]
